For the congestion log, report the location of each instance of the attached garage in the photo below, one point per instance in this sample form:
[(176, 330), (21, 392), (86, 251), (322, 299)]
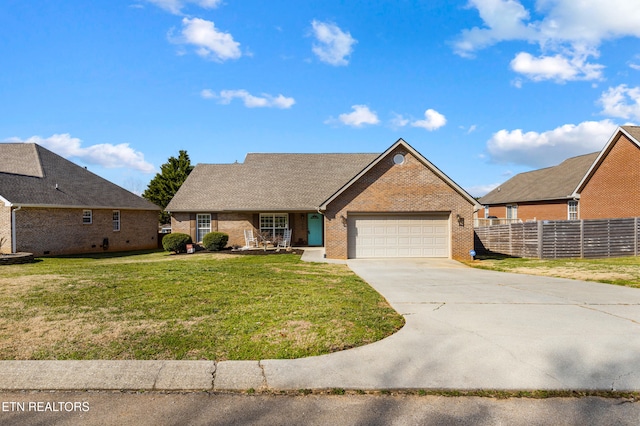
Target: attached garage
[(398, 235)]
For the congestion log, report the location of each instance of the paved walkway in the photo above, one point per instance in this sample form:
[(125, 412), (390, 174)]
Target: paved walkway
[(465, 329)]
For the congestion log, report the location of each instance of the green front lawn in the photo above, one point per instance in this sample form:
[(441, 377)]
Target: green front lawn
[(623, 271), (201, 306)]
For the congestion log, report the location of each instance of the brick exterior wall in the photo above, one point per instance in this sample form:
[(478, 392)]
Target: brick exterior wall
[(391, 188), (49, 231), (5, 228), (544, 210), (614, 189), (234, 224)]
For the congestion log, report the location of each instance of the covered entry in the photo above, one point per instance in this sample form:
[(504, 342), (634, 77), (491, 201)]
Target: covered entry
[(398, 235)]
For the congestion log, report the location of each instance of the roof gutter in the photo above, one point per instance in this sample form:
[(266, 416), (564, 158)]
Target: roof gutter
[(14, 244)]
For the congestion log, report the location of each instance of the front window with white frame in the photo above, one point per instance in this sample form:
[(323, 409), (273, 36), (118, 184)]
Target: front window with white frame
[(273, 224), (572, 210), (116, 220), (87, 217), (204, 225), (512, 212)]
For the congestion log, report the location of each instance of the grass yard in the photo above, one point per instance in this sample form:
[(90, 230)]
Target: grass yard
[(201, 306), (623, 271)]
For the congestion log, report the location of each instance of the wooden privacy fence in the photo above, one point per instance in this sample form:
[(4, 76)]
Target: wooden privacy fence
[(556, 239)]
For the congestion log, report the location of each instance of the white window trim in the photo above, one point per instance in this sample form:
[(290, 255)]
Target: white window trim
[(272, 229), (486, 212), (572, 203), (85, 216), (513, 208), (200, 231), (116, 222)]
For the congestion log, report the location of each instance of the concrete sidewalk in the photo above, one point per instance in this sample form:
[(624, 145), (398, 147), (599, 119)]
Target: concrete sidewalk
[(465, 329)]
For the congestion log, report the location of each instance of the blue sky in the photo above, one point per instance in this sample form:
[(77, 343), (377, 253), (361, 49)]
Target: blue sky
[(484, 89)]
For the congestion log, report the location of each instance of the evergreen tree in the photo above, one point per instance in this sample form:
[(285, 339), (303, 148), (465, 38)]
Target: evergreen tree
[(165, 184)]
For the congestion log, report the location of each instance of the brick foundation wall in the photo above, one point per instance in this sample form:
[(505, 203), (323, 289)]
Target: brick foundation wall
[(44, 231), (5, 228), (409, 187), (614, 189)]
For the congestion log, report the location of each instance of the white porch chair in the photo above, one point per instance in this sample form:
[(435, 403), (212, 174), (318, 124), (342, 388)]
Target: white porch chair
[(249, 240), (285, 241)]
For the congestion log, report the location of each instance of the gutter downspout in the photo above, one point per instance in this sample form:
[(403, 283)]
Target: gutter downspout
[(13, 229)]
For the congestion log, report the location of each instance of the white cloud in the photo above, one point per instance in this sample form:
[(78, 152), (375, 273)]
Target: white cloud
[(208, 94), (433, 120), (557, 67), (551, 147), (210, 43), (104, 155), (480, 190), (398, 121), (360, 116), (568, 33), (333, 45), (175, 6), (621, 102), (250, 101)]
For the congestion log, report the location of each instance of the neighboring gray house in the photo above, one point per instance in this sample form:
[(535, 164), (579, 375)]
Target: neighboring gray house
[(51, 206)]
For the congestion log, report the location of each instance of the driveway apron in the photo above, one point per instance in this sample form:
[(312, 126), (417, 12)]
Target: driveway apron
[(473, 329)]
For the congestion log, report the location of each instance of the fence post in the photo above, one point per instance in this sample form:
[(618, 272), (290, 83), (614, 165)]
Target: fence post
[(635, 236), (581, 238), (540, 239)]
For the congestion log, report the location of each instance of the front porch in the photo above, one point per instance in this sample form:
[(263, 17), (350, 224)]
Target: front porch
[(307, 227)]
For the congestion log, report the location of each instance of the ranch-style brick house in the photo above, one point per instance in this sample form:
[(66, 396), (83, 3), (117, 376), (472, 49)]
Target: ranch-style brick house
[(51, 206), (599, 185), (394, 204)]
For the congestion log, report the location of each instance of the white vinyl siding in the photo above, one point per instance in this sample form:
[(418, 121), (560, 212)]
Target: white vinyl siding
[(203, 221), (371, 236)]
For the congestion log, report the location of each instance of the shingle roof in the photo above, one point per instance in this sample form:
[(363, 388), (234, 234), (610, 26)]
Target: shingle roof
[(268, 182), (20, 159), (551, 183), (634, 131), (30, 173)]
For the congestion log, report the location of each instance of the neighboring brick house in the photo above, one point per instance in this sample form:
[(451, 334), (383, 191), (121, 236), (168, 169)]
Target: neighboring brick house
[(603, 184), (611, 186), (394, 204), (544, 194), (51, 206)]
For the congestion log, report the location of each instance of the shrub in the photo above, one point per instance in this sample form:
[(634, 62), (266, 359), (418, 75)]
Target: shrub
[(215, 241), (176, 242)]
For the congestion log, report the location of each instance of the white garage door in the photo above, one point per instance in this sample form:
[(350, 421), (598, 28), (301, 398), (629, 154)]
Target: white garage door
[(398, 236)]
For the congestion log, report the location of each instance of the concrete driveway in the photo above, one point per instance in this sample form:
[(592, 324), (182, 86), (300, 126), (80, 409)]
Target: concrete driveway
[(473, 329)]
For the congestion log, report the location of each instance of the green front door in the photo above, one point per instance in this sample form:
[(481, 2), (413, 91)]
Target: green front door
[(314, 224)]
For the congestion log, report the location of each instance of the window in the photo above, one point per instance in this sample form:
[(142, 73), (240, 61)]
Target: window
[(116, 220), (274, 223), (204, 226), (87, 217), (512, 212), (486, 212), (573, 210)]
